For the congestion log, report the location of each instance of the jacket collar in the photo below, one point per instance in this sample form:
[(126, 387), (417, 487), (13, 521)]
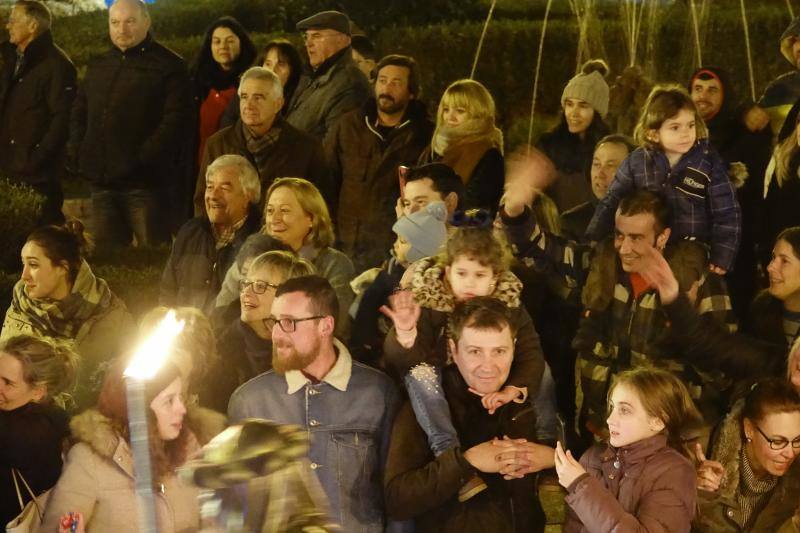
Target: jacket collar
[(338, 377), (415, 114), (140, 48), (637, 452), (37, 48), (323, 72)]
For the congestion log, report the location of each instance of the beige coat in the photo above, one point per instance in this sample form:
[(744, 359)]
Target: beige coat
[(98, 481)]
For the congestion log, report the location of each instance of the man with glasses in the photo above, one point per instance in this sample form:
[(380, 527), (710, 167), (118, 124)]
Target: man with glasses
[(335, 84), (346, 407)]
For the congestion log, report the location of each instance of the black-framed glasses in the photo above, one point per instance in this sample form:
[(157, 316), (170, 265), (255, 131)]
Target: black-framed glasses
[(259, 286), (288, 325), (781, 443)]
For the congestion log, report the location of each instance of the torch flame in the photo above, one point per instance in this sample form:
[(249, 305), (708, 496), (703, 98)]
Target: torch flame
[(153, 351)]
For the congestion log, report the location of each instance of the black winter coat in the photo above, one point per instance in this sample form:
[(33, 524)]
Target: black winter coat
[(195, 269), (131, 116), (34, 109), (31, 439)]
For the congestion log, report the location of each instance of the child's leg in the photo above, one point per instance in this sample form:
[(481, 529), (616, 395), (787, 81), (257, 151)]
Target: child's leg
[(424, 385)]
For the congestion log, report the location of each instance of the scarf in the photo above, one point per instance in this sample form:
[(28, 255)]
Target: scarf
[(754, 492), (90, 296), (259, 147), (461, 147)]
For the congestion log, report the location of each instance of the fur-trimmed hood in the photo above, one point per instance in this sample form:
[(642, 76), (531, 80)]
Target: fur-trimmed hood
[(431, 290), (97, 431)]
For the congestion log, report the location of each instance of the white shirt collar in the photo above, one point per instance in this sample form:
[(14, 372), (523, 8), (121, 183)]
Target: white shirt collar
[(338, 376)]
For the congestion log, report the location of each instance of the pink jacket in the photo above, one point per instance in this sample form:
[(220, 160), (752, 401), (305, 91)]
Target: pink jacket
[(644, 487)]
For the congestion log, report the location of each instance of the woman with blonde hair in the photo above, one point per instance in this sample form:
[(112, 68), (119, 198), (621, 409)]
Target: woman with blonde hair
[(35, 378), (295, 213), (467, 140)]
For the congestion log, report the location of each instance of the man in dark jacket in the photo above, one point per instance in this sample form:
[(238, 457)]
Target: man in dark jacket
[(335, 85), (276, 148), (206, 246), (365, 149), (126, 127), (37, 86), (429, 490)]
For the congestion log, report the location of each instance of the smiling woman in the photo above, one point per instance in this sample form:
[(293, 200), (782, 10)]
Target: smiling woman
[(59, 297), (749, 482)]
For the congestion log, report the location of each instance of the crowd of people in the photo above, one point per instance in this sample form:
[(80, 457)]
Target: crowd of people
[(453, 327)]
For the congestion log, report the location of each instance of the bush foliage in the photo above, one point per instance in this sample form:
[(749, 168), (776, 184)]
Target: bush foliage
[(19, 211)]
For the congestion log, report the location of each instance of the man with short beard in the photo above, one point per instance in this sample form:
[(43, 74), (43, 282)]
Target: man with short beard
[(346, 407), (364, 150)]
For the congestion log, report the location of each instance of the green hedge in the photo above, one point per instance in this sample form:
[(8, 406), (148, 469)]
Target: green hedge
[(20, 209)]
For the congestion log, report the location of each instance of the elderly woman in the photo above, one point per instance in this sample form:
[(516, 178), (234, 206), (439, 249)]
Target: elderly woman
[(59, 297), (467, 140), (750, 481), (98, 483), (245, 345), (34, 377), (571, 143), (295, 213)]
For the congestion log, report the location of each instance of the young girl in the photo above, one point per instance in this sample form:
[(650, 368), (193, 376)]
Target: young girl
[(643, 478), (676, 160), (474, 263), (467, 140)]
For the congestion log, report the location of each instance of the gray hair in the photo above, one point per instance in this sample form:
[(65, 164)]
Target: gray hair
[(39, 12), (248, 176), (263, 74)]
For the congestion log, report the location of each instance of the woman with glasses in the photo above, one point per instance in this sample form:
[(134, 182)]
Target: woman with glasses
[(750, 481), (245, 345)]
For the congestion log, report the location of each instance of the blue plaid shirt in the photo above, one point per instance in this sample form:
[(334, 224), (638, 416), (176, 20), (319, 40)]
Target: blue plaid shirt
[(698, 190)]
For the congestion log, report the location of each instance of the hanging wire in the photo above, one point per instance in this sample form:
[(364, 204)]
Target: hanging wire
[(538, 65), (480, 42), (749, 55), (633, 26), (789, 7), (698, 54), (583, 12)]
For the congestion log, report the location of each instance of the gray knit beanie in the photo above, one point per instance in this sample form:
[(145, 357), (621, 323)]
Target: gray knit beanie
[(591, 88), (424, 230)]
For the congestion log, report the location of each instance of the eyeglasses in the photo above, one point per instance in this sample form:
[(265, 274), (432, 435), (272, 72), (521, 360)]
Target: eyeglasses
[(259, 286), (288, 325), (780, 443)]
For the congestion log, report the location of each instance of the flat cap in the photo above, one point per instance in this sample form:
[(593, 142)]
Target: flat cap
[(326, 20)]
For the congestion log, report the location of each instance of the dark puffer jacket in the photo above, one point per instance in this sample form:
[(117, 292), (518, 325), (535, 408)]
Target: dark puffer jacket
[(364, 165), (34, 109), (321, 98), (195, 269), (130, 115)]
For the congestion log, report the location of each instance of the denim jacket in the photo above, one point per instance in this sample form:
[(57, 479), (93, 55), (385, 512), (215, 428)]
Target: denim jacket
[(348, 416)]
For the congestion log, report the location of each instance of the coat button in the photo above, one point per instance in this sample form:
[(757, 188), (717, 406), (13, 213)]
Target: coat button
[(730, 513), (314, 466), (13, 141), (611, 476), (313, 423), (312, 392)]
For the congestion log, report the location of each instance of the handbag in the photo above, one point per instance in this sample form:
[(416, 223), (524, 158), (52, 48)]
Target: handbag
[(32, 513)]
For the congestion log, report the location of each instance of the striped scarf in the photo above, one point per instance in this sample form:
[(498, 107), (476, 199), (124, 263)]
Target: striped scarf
[(753, 492)]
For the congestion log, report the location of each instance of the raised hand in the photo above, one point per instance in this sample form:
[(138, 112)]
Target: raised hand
[(528, 172), (657, 272), (402, 310), (709, 473)]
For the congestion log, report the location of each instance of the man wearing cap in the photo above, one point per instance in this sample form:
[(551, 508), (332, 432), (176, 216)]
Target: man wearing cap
[(783, 91), (365, 149), (335, 84)]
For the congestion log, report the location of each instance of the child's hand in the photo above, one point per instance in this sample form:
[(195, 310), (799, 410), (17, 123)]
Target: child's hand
[(567, 467), (709, 473), (717, 270), (402, 310), (71, 523), (493, 400)]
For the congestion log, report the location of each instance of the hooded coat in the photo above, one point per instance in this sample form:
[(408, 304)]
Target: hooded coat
[(98, 480)]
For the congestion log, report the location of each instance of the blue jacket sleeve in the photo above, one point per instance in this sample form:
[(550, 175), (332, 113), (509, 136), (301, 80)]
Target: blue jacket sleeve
[(602, 223), (726, 217)]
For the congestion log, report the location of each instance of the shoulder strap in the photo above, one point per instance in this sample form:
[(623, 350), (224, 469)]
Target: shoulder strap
[(16, 473)]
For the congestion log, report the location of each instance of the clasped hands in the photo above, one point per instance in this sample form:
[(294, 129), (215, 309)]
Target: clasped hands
[(511, 458)]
